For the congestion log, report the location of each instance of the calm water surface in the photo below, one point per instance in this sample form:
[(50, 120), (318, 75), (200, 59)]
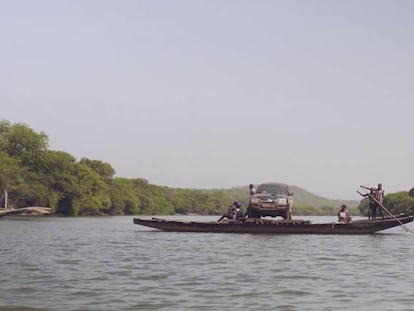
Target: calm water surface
[(108, 263)]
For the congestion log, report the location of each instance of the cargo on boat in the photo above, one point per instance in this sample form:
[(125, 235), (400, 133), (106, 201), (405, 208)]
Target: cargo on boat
[(269, 226)]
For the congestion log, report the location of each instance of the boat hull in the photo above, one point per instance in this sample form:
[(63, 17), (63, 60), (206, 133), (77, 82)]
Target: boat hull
[(276, 227)]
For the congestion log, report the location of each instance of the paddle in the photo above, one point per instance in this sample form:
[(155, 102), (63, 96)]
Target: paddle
[(385, 209)]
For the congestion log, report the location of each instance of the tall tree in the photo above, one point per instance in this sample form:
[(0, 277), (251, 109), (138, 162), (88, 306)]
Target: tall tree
[(93, 192), (22, 143), (9, 171), (104, 170), (61, 179)]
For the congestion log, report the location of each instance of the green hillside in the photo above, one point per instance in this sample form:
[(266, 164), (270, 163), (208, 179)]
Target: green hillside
[(307, 203)]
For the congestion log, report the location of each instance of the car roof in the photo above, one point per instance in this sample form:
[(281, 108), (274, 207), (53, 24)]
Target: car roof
[(273, 183)]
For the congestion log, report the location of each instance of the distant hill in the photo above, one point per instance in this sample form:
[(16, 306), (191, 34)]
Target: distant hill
[(304, 197)]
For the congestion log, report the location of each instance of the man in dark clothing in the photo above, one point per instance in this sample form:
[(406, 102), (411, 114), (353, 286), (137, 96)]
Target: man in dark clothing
[(239, 213), (376, 197), (372, 207), (235, 212)]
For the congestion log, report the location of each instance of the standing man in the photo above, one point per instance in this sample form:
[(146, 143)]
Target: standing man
[(372, 207), (252, 190), (379, 198)]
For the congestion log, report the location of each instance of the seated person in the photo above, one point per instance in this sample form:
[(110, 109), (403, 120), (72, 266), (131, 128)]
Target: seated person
[(234, 212), (239, 213), (344, 215)]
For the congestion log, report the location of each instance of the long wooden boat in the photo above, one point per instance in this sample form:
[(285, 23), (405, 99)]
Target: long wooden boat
[(268, 226)]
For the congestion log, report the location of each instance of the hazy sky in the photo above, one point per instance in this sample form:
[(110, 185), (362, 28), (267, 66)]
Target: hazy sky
[(219, 93)]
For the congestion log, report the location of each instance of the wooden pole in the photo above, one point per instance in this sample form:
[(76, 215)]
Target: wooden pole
[(1, 199), (6, 199)]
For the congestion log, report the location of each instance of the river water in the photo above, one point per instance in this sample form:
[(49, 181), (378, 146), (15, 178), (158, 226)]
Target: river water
[(108, 263)]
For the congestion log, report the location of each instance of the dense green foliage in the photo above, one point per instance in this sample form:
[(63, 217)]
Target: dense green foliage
[(33, 175)]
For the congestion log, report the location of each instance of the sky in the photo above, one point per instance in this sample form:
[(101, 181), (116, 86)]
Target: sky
[(219, 93)]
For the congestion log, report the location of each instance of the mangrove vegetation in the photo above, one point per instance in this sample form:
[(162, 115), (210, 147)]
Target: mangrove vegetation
[(34, 175)]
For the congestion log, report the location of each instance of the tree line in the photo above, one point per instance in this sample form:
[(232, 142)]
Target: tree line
[(34, 175)]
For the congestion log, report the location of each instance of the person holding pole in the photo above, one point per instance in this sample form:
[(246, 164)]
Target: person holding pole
[(372, 206), (379, 198), (376, 197)]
